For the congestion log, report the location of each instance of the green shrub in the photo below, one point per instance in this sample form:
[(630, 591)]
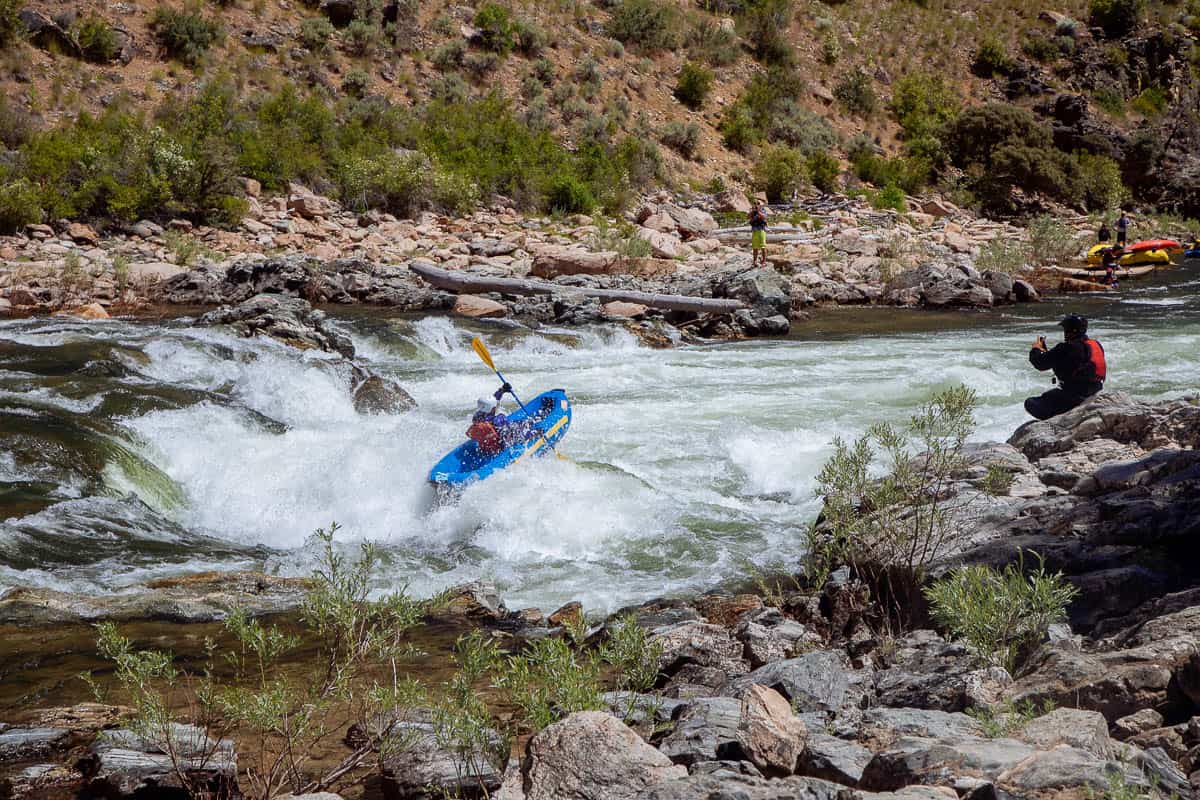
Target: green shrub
[(1003, 255), (856, 93), (924, 104), (1116, 17), (544, 70), (910, 173), (647, 24), (1051, 240), (682, 137), (480, 65), (185, 35), (797, 127), (97, 39), (20, 205), (991, 58), (763, 102), (823, 170), (496, 31), (890, 196), (974, 135), (529, 39), (693, 85), (315, 34), (567, 194), (1100, 182), (892, 520), (1040, 47), (357, 82), (10, 21), (1109, 99), (998, 614), (404, 185), (779, 171), (764, 24), (361, 37), (449, 56), (709, 42), (16, 124), (739, 130), (1151, 102)]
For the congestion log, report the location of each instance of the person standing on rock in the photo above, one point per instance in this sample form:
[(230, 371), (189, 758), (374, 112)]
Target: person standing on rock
[(1079, 369), (758, 234), (1122, 228)]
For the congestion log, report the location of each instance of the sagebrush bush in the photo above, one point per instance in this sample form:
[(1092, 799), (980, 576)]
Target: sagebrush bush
[(361, 37), (449, 56), (16, 124), (856, 93), (797, 127), (528, 38), (10, 21), (991, 58), (315, 34), (709, 42), (1100, 182), (764, 24), (403, 184), (97, 39), (998, 614), (357, 82), (185, 35), (1116, 17), (746, 121), (495, 25), (682, 137), (647, 24), (693, 84), (779, 171)]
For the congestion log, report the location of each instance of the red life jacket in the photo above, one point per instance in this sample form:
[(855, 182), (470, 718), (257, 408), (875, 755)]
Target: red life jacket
[(1095, 369), (486, 435)]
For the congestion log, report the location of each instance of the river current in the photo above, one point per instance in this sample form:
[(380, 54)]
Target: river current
[(134, 449)]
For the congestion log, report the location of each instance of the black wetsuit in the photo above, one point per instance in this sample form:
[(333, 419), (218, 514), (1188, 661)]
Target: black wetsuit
[(1072, 365)]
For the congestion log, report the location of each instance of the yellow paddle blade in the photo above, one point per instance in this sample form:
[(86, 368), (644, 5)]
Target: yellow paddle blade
[(481, 350)]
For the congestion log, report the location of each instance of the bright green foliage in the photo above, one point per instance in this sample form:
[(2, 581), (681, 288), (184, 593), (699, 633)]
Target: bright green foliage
[(1051, 240), (631, 653), (185, 35), (462, 721), (496, 31), (648, 24), (998, 614), (1100, 182), (991, 58), (898, 520), (315, 34), (747, 121), (1003, 255), (1040, 47), (924, 104), (764, 24), (778, 171), (621, 239), (1151, 102), (20, 205), (890, 196), (97, 39), (856, 93), (10, 21), (910, 173), (1116, 17), (823, 170), (567, 194), (693, 84)]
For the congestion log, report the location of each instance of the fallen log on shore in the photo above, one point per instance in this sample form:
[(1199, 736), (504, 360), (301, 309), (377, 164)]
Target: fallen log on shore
[(459, 282)]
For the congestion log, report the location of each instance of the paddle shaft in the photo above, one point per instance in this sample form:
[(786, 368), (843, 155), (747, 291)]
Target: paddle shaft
[(500, 375)]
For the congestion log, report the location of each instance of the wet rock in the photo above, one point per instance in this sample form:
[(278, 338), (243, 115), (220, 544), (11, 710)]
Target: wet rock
[(770, 735), (288, 319), (1024, 292), (706, 729), (475, 601), (123, 764), (428, 767), (592, 755), (91, 311), (203, 597), (571, 612), (379, 395)]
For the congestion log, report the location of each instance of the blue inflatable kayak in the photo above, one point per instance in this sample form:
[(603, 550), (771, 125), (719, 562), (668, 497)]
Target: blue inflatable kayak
[(1194, 253), (550, 416)]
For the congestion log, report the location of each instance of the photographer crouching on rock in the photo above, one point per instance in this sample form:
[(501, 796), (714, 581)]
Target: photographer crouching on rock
[(1079, 369)]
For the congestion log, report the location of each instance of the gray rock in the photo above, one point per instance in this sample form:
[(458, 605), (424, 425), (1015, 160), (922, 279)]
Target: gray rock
[(915, 760), (379, 395), (1146, 719), (771, 736), (769, 636), (743, 787), (926, 723), (1063, 767), (1000, 284), (1083, 730), (816, 681), (25, 744), (592, 755), (641, 709), (428, 768), (705, 730), (763, 289), (288, 319), (926, 672), (833, 759), (1024, 292), (122, 763), (700, 644)]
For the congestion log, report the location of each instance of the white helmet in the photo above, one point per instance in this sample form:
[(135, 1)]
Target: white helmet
[(484, 405)]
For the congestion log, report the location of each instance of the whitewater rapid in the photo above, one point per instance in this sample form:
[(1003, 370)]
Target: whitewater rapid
[(687, 466)]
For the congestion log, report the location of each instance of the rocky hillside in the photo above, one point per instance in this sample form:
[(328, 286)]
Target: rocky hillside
[(599, 99)]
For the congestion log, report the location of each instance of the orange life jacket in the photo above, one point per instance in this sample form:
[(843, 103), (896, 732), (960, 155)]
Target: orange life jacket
[(487, 436), (1095, 365)]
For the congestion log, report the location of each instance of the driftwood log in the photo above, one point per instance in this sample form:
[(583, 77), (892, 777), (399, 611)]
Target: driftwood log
[(459, 282)]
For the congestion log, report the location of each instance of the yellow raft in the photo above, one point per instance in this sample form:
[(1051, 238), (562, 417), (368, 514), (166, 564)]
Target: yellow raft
[(1141, 258)]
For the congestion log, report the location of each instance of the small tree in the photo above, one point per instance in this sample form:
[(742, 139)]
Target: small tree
[(856, 93), (779, 171), (10, 21), (998, 614), (693, 85)]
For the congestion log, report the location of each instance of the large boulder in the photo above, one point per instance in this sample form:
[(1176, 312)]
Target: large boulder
[(428, 766), (771, 735), (706, 729), (551, 261), (591, 755), (695, 643), (763, 289), (121, 763), (820, 681), (287, 319), (470, 305)]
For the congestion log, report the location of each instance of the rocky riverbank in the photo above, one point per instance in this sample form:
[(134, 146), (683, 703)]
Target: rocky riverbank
[(822, 252), (800, 694)]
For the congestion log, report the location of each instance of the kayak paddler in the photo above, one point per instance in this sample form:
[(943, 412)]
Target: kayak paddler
[(488, 425)]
